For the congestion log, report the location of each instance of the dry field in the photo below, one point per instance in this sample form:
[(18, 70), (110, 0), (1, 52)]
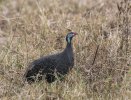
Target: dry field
[(30, 29)]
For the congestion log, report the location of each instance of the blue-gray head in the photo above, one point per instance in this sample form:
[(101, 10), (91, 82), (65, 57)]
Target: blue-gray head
[(69, 36)]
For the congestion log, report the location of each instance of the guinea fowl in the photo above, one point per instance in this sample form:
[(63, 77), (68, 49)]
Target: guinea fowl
[(53, 65)]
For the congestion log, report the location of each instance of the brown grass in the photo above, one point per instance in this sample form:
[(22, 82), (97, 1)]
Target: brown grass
[(33, 28)]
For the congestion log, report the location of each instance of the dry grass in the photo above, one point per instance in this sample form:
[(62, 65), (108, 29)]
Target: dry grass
[(32, 28)]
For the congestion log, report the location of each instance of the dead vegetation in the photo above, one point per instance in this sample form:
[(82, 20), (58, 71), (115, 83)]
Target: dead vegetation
[(32, 28)]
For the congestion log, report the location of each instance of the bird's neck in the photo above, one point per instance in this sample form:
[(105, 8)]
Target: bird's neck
[(69, 45), (69, 48), (69, 52)]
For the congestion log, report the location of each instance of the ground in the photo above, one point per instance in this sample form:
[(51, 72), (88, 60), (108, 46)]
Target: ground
[(30, 29)]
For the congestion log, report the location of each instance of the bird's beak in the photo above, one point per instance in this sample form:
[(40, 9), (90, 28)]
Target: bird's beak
[(75, 33)]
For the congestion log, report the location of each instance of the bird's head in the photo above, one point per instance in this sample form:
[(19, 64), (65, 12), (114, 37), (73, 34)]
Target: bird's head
[(69, 36)]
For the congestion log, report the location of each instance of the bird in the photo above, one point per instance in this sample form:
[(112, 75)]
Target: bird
[(54, 66)]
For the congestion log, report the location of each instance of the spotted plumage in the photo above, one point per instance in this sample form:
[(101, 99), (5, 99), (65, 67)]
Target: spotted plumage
[(49, 67)]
